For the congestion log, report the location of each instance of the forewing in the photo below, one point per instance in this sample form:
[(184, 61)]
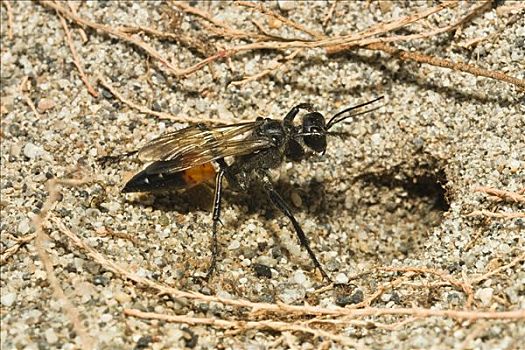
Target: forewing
[(199, 144)]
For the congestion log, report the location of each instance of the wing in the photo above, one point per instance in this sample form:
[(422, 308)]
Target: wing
[(198, 144)]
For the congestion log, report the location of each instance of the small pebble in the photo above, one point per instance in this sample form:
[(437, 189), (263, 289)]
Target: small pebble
[(51, 336), (262, 270), (122, 298), (106, 318), (32, 151), (24, 226), (235, 244), (296, 199), (45, 104), (376, 139), (8, 299), (341, 278), (291, 293), (485, 295), (286, 5), (300, 278)]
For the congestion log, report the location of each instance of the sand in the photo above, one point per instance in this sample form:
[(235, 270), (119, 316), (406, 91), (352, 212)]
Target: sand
[(396, 190)]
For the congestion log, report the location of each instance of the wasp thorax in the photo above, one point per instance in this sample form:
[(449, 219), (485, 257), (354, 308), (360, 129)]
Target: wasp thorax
[(314, 131), (273, 130)]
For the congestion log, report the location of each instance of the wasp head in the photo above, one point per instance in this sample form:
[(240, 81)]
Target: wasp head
[(314, 132), (315, 128)]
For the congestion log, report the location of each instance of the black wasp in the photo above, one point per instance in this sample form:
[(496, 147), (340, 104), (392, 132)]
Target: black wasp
[(183, 158)]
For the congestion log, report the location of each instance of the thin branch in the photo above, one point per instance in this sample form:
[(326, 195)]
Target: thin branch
[(276, 66), (364, 39), (73, 9), (263, 9), (440, 62), (132, 40), (467, 288), (10, 25), (243, 325), (161, 115), (22, 88), (372, 311), (498, 215), (514, 262), (203, 49), (9, 252), (330, 13), (76, 58), (503, 195), (278, 308), (38, 222)]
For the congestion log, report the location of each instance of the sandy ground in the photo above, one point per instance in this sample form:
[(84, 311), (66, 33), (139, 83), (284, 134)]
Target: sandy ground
[(395, 191)]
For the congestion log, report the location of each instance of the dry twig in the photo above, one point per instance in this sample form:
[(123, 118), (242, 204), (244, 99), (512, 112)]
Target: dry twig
[(23, 87), (499, 215), (9, 252), (440, 62), (9, 10), (161, 115), (502, 195), (363, 39), (330, 13), (39, 222), (73, 9), (132, 40), (244, 325), (467, 288), (514, 262), (278, 308), (76, 58)]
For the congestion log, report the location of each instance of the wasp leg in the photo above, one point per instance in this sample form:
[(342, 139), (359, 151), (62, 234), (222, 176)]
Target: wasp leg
[(279, 202), (216, 220), (295, 110)]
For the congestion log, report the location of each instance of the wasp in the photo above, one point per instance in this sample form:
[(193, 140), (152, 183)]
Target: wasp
[(242, 153)]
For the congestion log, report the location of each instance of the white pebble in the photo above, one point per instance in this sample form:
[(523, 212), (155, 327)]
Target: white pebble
[(286, 5), (224, 295), (24, 226), (299, 277), (51, 336), (106, 318), (485, 295), (376, 139), (40, 275), (341, 278), (514, 165), (235, 244), (163, 234), (122, 297), (266, 260), (32, 151), (8, 299)]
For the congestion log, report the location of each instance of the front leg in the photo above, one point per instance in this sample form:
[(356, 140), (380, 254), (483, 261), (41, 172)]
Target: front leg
[(279, 202), (288, 119)]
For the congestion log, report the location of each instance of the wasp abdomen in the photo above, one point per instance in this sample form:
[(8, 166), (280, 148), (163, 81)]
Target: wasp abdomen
[(145, 181)]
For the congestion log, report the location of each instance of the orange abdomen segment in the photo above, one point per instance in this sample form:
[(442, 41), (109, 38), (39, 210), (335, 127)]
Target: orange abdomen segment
[(147, 181), (198, 174)]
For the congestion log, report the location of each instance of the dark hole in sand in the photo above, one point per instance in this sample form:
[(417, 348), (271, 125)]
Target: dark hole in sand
[(426, 186), (397, 209)]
